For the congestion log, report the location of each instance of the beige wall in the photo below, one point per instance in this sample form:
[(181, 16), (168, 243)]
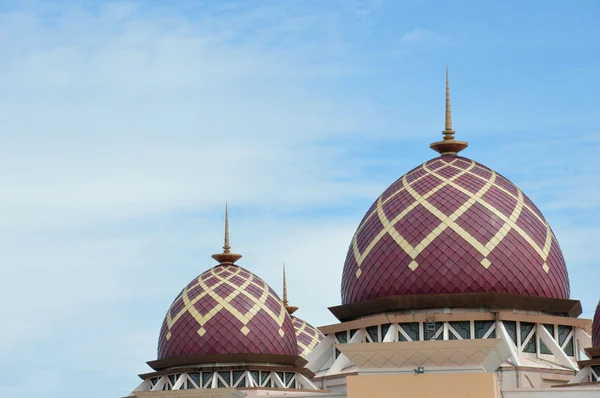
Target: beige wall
[(198, 393), (447, 385)]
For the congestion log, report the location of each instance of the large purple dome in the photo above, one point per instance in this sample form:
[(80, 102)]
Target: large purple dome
[(226, 310), (452, 225)]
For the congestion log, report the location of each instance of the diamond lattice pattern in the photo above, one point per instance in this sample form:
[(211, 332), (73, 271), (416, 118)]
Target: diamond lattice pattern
[(307, 336), (453, 225), (596, 327), (226, 310)]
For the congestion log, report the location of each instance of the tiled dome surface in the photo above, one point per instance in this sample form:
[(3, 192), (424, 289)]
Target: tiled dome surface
[(307, 336), (226, 310), (596, 327), (453, 225)]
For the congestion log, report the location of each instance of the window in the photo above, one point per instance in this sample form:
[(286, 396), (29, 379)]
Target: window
[(207, 379), (254, 374), (511, 329), (288, 378), (569, 348), (543, 348), (342, 337), (226, 382), (384, 330), (462, 330), (372, 332), (264, 377), (238, 376), (195, 377), (482, 328), (410, 329), (172, 380), (527, 339), (566, 341)]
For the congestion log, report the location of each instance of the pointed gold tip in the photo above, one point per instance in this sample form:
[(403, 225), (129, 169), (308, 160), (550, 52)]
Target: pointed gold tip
[(285, 298), (226, 257), (448, 146), (226, 247), (289, 308), (448, 130)]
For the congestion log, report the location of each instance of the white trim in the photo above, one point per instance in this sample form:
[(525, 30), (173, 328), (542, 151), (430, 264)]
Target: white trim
[(179, 382), (503, 334), (321, 354), (403, 333), (306, 383), (278, 382), (392, 333), (553, 346), (454, 332), (160, 384), (342, 360), (250, 380), (242, 379), (525, 342), (582, 376), (584, 339), (487, 334), (144, 385), (191, 381), (570, 336)]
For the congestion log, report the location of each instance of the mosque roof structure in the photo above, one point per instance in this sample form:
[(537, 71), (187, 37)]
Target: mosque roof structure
[(226, 311), (450, 226), (596, 328), (307, 336)]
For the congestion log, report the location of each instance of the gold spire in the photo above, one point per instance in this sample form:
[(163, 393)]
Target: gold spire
[(448, 130), (285, 300), (226, 257), (226, 248), (448, 146), (290, 309)]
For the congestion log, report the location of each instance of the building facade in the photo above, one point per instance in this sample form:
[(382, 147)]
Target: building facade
[(454, 285)]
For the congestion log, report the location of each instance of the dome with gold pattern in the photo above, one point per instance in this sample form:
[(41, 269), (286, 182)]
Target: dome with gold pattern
[(452, 225), (596, 327), (227, 310), (307, 336)]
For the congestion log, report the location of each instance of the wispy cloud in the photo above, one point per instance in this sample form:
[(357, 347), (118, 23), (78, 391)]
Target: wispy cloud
[(126, 125), (422, 37)]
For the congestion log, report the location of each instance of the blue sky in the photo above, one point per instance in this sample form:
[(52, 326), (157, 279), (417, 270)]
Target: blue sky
[(125, 126)]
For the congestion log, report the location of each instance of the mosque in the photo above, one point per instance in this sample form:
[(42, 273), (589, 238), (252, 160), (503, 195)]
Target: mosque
[(454, 285)]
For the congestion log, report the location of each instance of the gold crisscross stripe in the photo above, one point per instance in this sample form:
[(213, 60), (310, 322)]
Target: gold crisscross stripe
[(450, 221), (225, 303), (309, 332)]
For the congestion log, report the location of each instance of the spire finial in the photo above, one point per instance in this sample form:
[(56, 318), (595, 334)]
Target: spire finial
[(448, 146), (290, 309), (226, 248), (285, 299), (226, 257), (448, 130)]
